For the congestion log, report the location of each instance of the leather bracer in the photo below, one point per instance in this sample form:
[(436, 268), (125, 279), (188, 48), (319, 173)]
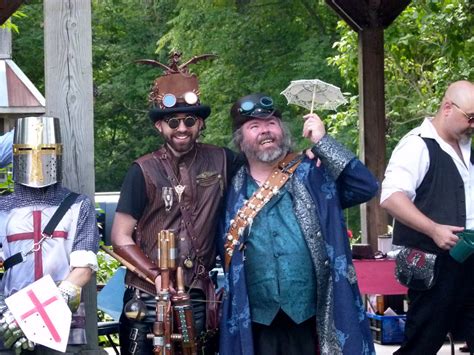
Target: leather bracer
[(135, 256)]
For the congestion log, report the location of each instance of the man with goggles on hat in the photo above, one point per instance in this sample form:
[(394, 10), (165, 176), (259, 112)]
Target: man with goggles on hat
[(290, 283), (179, 187)]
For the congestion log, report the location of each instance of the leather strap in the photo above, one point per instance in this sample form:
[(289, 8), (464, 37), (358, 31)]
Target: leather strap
[(260, 198), (48, 230), (12, 261)]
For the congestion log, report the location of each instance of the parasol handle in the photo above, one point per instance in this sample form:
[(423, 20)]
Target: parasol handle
[(312, 101)]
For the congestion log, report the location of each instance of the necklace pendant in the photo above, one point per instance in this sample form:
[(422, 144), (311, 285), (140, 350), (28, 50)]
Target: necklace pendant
[(188, 262), (179, 191)]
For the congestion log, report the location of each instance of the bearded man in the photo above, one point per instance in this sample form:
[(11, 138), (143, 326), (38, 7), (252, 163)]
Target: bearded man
[(291, 286), (178, 187)]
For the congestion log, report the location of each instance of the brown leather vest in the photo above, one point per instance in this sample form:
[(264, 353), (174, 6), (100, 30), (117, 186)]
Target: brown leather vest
[(203, 173)]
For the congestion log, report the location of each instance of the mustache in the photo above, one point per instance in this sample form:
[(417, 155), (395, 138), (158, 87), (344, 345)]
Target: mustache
[(266, 136)]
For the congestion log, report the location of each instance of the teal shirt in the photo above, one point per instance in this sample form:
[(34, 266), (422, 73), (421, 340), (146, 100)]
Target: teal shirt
[(278, 265)]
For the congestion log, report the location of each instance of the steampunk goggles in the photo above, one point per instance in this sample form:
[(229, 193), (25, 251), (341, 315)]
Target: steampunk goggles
[(170, 100), (262, 107), (174, 122)]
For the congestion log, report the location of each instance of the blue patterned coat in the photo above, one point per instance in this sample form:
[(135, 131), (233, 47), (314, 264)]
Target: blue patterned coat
[(319, 195)]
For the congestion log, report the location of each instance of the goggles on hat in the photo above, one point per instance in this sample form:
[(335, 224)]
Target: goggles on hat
[(263, 106), (174, 122), (170, 100)]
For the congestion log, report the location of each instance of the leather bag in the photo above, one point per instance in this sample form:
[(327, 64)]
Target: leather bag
[(416, 269)]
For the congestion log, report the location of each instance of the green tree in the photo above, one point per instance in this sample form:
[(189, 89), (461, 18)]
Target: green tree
[(428, 46), (123, 33), (261, 45)]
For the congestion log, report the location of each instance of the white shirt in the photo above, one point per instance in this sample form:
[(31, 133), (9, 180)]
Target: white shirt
[(410, 161)]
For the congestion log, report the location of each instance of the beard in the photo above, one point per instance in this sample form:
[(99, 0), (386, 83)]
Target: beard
[(255, 150), (181, 142)]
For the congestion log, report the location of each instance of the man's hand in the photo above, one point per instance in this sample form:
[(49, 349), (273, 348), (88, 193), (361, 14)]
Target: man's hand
[(10, 333), (313, 128), (403, 209), (444, 236)]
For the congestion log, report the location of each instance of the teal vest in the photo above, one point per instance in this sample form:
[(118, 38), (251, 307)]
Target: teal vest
[(278, 265)]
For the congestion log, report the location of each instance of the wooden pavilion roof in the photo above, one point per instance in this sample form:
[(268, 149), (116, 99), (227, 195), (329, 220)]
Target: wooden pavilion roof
[(7, 8), (360, 14)]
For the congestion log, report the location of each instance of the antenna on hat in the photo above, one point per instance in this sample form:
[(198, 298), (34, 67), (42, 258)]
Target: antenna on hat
[(177, 90), (173, 66)]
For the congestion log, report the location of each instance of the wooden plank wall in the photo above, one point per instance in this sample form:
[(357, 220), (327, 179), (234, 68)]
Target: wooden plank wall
[(68, 82)]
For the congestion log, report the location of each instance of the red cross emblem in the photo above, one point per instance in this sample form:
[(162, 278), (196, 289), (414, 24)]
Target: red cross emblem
[(36, 235), (40, 309), (42, 313)]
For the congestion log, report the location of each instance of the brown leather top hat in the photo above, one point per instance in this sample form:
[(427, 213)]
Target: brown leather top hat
[(177, 91), (252, 106)]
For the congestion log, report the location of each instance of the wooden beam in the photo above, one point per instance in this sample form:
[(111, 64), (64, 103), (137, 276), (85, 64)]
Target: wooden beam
[(360, 14), (68, 83), (7, 8), (372, 125)]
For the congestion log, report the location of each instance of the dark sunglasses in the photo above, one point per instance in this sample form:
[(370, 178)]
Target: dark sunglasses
[(469, 116), (173, 122), (250, 108)]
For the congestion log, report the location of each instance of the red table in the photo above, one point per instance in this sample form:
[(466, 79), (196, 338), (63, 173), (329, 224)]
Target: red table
[(377, 277)]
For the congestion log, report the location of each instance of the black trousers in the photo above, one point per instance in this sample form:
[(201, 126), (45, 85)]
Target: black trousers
[(285, 337), (435, 312), (133, 334)]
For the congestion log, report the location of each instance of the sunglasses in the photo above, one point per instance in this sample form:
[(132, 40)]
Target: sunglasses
[(173, 122), (469, 116), (170, 100), (250, 108)]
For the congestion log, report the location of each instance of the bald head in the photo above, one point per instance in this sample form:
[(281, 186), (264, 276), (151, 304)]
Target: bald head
[(452, 119), (461, 92)]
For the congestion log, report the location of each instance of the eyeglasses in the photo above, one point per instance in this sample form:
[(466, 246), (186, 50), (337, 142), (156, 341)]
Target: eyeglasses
[(174, 122), (170, 100), (469, 116), (263, 106)]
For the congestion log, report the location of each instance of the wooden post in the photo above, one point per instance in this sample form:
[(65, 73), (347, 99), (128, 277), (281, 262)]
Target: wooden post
[(68, 82), (372, 125)]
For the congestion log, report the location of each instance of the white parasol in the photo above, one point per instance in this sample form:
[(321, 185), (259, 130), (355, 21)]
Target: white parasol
[(314, 93)]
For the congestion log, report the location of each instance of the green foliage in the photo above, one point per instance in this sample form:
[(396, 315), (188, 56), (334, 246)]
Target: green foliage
[(262, 45), (27, 42), (107, 267), (122, 33), (9, 24), (428, 46), (6, 180)]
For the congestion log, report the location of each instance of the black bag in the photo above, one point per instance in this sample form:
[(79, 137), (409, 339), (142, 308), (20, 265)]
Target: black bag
[(416, 269)]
